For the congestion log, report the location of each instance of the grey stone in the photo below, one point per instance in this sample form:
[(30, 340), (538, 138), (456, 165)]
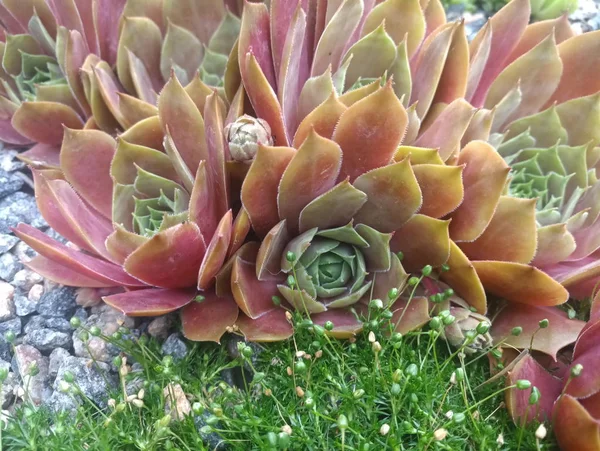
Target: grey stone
[(7, 304), (25, 279), (81, 313), (23, 360), (58, 302), (234, 353), (56, 359), (7, 242), (212, 439), (40, 322), (9, 266), (108, 320), (92, 379), (24, 306), (9, 183), (24, 252), (47, 340), (12, 325), (175, 347), (5, 350), (8, 390), (9, 161), (19, 207), (159, 327)]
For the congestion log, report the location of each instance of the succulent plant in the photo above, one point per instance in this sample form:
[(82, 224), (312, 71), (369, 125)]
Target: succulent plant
[(38, 96), (551, 9), (101, 64), (567, 381), (154, 221)]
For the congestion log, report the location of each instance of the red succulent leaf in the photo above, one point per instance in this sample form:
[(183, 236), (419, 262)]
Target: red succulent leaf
[(260, 187), (579, 74), (43, 121), (369, 132), (574, 427), (202, 18), (272, 326), (179, 114), (62, 274), (517, 401), (484, 178), (323, 120), (150, 302), (170, 259), (410, 315), (216, 252), (561, 332), (447, 130), (423, 241), (311, 172), (521, 283), (269, 254), (92, 267), (210, 318), (511, 234), (506, 28), (252, 296), (91, 181), (393, 196), (441, 187), (463, 278), (345, 323)]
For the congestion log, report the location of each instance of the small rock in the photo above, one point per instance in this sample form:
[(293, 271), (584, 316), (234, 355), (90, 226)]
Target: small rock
[(9, 161), (9, 266), (175, 347), (40, 322), (12, 325), (174, 394), (24, 359), (5, 350), (26, 279), (9, 183), (8, 389), (47, 339), (159, 327), (7, 304), (56, 359), (88, 297), (93, 379), (81, 313), (7, 242), (24, 252), (19, 207), (234, 353), (212, 439), (24, 306), (108, 320), (58, 302)]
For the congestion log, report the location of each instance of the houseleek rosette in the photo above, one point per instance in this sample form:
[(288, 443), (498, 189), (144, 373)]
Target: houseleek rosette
[(150, 217), (327, 269)]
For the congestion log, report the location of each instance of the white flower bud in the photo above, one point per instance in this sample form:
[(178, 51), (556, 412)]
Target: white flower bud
[(244, 136)]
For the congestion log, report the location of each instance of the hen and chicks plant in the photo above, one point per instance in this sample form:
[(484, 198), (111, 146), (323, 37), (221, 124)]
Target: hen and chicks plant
[(317, 156)]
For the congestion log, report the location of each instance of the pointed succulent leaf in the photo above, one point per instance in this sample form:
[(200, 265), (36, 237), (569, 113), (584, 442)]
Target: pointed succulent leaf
[(409, 315), (382, 114), (322, 120), (62, 274), (441, 187), (561, 332), (272, 326), (268, 260), (575, 427), (43, 121), (334, 208), (393, 196), (208, 318), (216, 252), (150, 302)]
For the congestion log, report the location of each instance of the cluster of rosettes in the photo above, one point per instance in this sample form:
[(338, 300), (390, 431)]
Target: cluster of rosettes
[(236, 161)]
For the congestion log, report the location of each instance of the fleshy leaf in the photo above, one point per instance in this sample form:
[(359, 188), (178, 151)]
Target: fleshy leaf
[(393, 196), (272, 326), (561, 332), (312, 171), (170, 259), (43, 121), (441, 187), (209, 319), (517, 282), (369, 132), (150, 302)]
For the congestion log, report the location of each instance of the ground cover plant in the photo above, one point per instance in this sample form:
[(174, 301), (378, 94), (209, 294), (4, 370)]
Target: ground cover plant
[(312, 392), (254, 167)]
